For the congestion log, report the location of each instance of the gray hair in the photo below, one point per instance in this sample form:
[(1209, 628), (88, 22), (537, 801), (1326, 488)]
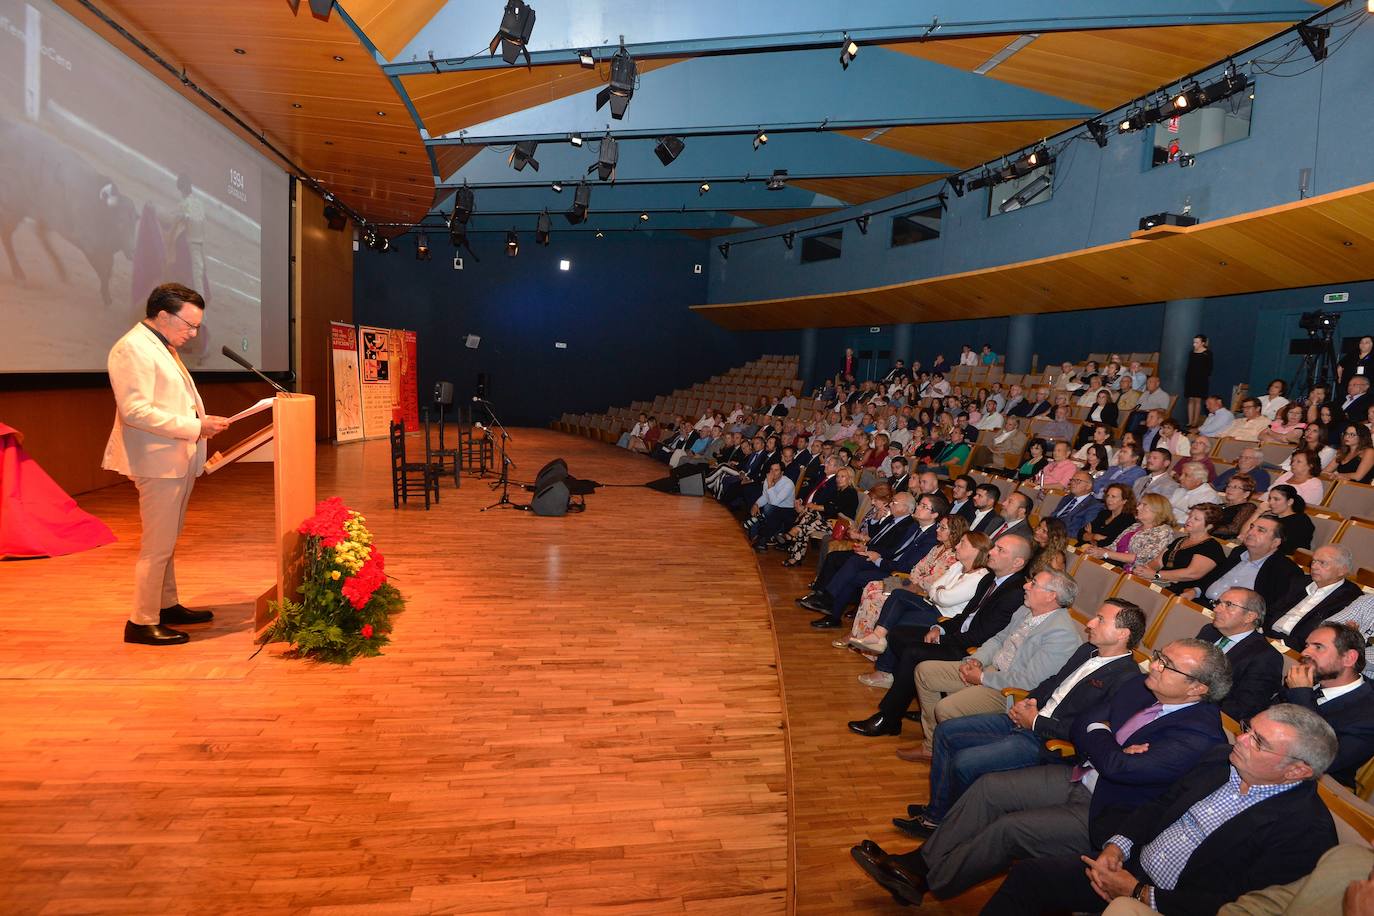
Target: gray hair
[(1213, 672), (907, 499), (1253, 603), (1343, 556), (1064, 588), (1194, 469), (1315, 743)]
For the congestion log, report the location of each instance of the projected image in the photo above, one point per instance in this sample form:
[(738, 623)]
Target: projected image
[(110, 184)]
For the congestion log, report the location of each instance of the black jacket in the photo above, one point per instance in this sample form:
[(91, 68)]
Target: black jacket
[(1256, 673), (990, 610), (1276, 841), (1351, 717), (1087, 693), (1345, 593), (1276, 576)]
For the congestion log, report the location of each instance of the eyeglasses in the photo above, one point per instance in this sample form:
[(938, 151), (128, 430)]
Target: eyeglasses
[(1235, 604), (1261, 744), (193, 327), (1162, 660)]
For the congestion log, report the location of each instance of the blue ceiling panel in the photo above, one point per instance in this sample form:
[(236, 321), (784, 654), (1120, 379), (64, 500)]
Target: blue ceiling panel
[(460, 32), (653, 198)]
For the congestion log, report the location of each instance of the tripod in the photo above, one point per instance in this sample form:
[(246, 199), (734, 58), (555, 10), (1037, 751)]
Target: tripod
[(503, 482), (1318, 364)]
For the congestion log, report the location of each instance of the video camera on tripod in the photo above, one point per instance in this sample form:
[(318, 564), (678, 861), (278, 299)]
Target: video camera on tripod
[(1318, 353), (1321, 324)]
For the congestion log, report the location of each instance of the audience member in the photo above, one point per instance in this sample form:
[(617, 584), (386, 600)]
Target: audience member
[(1313, 599), (1355, 459), (1117, 514), (984, 518), (1014, 510), (774, 511), (1078, 506), (1193, 490), (1142, 542), (1126, 471), (1251, 462), (1199, 450), (1273, 400), (1259, 563), (1327, 681), (1186, 563), (1035, 462), (1287, 427), (1284, 503), (1219, 419), (1302, 477), (1157, 478), (1256, 666)]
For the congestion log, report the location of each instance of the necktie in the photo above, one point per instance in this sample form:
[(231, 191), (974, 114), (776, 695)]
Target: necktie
[(1223, 642), (1123, 734), (1066, 508), (1317, 695), (998, 533)]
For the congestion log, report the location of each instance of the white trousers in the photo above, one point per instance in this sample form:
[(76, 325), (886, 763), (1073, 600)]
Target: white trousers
[(162, 509)]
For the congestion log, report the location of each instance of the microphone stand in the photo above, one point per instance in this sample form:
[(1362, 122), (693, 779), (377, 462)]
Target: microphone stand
[(506, 464)]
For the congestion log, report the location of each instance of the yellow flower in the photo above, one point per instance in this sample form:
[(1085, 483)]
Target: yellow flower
[(335, 574)]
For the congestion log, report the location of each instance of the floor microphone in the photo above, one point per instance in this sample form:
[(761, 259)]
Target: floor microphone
[(249, 366)]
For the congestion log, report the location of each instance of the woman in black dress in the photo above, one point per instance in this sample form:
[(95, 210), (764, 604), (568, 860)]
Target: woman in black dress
[(1192, 557), (1114, 519), (1291, 509), (1361, 362), (1197, 378)]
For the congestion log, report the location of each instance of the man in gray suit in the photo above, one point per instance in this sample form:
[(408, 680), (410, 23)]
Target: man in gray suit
[(1036, 642), (1158, 479)]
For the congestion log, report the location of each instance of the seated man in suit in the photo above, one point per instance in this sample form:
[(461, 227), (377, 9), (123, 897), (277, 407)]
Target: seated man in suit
[(1317, 598), (961, 496), (1249, 461), (1037, 640), (1258, 563), (985, 518), (1126, 470), (1241, 820), (1014, 510), (896, 549), (900, 481), (1078, 506), (1158, 478), (1256, 666), (1328, 682), (969, 747), (1131, 748), (987, 613)]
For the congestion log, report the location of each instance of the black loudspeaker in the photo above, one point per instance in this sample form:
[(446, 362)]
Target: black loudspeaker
[(551, 489), (692, 485), (443, 393)]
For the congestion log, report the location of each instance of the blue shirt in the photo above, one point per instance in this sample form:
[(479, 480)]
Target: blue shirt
[(1217, 423), (1167, 854), (1117, 474), (779, 494)]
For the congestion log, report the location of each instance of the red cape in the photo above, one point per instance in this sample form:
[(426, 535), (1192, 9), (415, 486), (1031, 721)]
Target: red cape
[(37, 517)]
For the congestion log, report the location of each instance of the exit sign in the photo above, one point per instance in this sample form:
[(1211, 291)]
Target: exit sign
[(875, 330), (1334, 298)]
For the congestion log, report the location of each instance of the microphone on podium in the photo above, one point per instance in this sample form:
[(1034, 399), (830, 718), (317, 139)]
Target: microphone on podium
[(249, 366)]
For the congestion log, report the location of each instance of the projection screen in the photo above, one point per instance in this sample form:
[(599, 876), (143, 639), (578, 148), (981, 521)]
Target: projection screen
[(112, 183)]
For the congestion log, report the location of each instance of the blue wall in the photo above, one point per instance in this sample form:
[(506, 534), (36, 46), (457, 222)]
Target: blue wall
[(1322, 119), (621, 309)]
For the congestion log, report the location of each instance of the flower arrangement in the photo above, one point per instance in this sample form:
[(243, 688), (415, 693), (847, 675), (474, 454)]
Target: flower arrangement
[(346, 603)]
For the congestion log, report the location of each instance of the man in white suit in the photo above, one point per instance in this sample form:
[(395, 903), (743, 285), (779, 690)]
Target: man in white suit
[(158, 441)]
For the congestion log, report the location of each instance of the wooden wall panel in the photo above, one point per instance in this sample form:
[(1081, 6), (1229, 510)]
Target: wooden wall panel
[(324, 293), (862, 190), (965, 145), (391, 24)]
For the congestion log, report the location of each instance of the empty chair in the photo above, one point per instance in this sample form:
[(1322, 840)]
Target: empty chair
[(1096, 580), (1181, 619), (1326, 525), (1351, 499), (407, 475), (1230, 449), (1151, 597), (1275, 453)]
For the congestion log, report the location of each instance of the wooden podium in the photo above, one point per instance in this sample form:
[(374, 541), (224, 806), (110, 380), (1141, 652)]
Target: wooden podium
[(291, 435)]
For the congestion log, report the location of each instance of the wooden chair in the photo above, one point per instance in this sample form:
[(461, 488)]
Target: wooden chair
[(1151, 597), (1181, 619), (1326, 524), (440, 456), (1096, 580), (1358, 535), (405, 474), (1354, 815), (1351, 499)]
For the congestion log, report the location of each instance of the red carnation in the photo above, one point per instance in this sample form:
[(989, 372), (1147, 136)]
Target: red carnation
[(367, 631)]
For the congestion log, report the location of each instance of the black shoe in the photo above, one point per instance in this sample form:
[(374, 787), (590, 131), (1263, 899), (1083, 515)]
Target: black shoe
[(915, 810), (825, 623), (905, 888), (177, 614), (153, 634), (760, 548), (876, 726), (918, 827), (912, 715), (816, 602)]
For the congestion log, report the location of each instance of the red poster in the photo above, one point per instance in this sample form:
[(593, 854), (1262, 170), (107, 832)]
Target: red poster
[(410, 398)]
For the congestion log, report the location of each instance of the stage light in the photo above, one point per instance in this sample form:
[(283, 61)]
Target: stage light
[(422, 247), (606, 157), (643, 217), (369, 237), (517, 24), (668, 149), (1098, 130), (582, 200), (622, 85), (706, 185), (541, 229), (586, 59), (1186, 160), (523, 155), (558, 187), (957, 183), (862, 223), (724, 249), (565, 264), (1314, 37), (849, 49), (760, 139), (512, 243), (600, 234), (336, 218), (1167, 219), (464, 204), (982, 181), (1189, 98), (789, 239), (384, 244), (777, 181), (575, 139), (1132, 122)]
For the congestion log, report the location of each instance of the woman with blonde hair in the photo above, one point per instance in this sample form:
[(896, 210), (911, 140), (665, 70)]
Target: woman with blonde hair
[(949, 530), (1146, 539), (817, 519)]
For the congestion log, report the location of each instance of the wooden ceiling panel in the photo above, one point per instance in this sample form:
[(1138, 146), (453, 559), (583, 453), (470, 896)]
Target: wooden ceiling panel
[(965, 145), (778, 217), (391, 24), (453, 158), (289, 59), (1322, 240), (862, 190), (1103, 68), (451, 101)]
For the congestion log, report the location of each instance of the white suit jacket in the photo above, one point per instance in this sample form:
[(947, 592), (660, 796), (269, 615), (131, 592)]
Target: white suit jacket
[(157, 411)]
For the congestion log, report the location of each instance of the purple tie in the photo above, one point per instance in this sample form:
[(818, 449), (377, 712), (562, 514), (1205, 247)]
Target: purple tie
[(1128, 728)]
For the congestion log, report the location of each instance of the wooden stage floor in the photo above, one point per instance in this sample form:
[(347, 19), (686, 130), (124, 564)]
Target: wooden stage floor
[(582, 714)]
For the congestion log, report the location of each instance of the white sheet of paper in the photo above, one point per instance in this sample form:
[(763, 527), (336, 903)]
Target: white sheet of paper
[(249, 411)]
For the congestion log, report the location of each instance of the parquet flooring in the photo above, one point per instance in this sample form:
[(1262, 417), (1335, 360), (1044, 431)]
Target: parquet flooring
[(576, 715)]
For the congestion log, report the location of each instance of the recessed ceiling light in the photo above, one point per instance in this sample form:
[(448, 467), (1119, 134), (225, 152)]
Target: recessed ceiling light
[(339, 58), (295, 104), (643, 217), (240, 51), (401, 152), (381, 114), (329, 143)]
